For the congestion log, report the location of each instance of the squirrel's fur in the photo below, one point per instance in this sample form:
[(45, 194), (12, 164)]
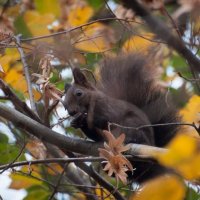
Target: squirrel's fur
[(127, 95)]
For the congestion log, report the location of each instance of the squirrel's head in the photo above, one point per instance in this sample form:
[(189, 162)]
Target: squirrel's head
[(77, 95)]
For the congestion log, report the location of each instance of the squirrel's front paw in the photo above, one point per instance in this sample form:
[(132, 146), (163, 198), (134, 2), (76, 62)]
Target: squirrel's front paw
[(79, 120)]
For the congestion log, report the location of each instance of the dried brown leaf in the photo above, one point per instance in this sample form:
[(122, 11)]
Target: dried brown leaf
[(45, 65), (116, 145), (37, 149), (52, 92), (116, 164)]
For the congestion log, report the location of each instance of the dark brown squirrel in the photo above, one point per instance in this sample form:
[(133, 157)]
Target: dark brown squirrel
[(127, 95)]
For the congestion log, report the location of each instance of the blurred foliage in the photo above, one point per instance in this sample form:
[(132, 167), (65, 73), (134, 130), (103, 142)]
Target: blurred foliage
[(85, 45)]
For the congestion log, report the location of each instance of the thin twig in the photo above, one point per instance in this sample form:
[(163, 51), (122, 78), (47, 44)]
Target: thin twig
[(26, 72), (153, 125), (58, 182), (50, 160), (188, 79), (172, 21), (60, 121), (75, 28), (73, 174), (34, 177)]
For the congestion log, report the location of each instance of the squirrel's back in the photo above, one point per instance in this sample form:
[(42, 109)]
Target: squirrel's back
[(132, 78)]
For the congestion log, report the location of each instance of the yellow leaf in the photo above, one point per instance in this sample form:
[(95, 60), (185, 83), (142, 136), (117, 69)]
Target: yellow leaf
[(50, 6), (54, 169), (79, 15), (36, 148), (190, 114), (38, 23), (13, 11), (10, 57), (37, 95), (162, 188), (105, 194), (94, 40), (137, 43), (183, 156), (14, 72), (23, 182), (5, 62), (20, 181)]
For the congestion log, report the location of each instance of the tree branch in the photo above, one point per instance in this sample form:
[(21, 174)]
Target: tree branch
[(63, 142), (20, 105), (13, 162), (49, 160), (75, 28), (164, 33), (47, 135), (72, 173), (98, 178), (27, 74)]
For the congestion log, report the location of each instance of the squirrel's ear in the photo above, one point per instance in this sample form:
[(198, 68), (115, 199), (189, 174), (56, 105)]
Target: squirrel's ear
[(80, 78)]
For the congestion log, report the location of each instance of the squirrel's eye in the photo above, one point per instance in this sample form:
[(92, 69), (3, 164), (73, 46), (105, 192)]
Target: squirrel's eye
[(78, 93)]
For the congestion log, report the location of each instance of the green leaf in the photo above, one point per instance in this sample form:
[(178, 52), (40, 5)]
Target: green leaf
[(50, 6), (60, 85), (95, 4), (21, 27), (192, 195), (38, 192), (55, 77), (92, 58), (178, 61), (3, 138), (8, 153)]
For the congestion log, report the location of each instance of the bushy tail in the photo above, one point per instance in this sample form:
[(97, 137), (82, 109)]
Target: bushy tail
[(132, 78)]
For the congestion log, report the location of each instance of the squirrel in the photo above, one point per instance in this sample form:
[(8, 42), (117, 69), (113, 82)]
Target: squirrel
[(126, 95)]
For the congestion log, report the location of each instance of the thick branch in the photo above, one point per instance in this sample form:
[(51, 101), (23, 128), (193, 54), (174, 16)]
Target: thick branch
[(47, 135), (64, 142), (163, 32)]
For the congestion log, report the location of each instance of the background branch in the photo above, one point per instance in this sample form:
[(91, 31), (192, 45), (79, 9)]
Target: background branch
[(27, 74), (164, 33)]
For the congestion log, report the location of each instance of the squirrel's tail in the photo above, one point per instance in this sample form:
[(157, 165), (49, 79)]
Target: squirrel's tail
[(132, 78)]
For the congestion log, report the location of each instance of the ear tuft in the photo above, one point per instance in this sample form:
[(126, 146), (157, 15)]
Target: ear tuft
[(80, 78)]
